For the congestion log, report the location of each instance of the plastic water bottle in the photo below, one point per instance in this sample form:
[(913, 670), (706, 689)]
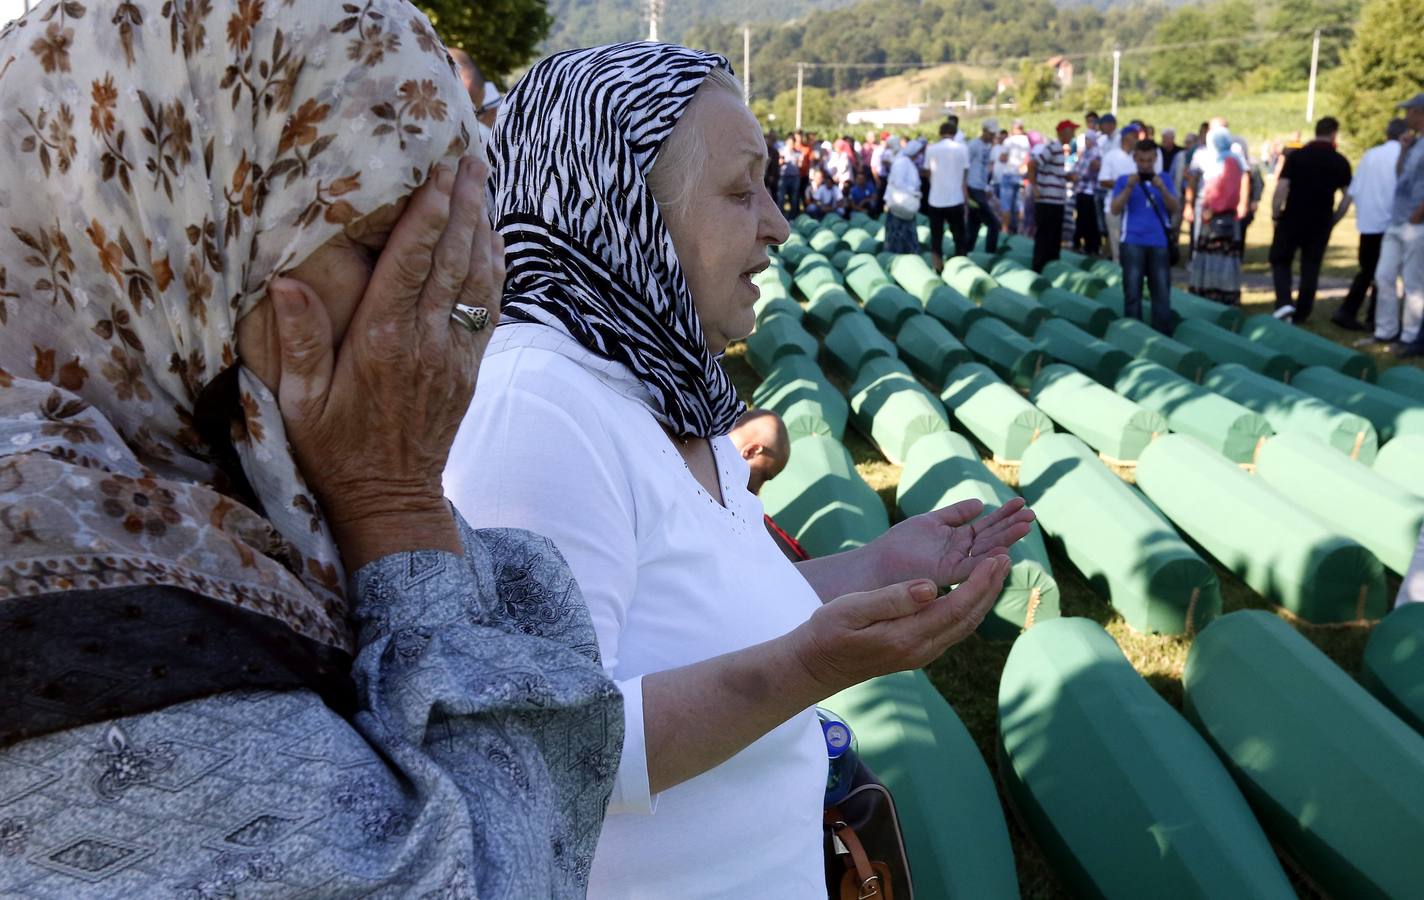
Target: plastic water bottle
[(841, 749)]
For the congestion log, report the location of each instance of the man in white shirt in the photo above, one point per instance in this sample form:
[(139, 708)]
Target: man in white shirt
[(1372, 190), (1013, 153), (823, 197), (948, 164)]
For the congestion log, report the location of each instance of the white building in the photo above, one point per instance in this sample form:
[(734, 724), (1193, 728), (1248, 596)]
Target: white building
[(903, 115)]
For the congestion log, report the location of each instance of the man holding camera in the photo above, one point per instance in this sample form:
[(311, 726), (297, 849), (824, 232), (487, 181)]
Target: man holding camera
[(1145, 201)]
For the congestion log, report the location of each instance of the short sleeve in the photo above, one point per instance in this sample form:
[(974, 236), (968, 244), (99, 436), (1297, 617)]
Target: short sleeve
[(1288, 170)]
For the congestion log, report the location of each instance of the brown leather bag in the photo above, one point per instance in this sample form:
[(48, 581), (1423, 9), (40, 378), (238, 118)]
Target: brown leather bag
[(865, 851)]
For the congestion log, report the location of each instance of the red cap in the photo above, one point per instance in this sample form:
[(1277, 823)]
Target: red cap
[(1068, 123)]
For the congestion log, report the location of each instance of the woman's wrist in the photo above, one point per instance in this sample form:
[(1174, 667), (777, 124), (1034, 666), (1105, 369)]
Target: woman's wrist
[(401, 527)]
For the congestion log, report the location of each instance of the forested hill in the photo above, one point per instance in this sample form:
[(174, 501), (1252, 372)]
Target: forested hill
[(584, 23)]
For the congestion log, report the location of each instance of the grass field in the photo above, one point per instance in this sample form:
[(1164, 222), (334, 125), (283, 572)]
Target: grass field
[(968, 674)]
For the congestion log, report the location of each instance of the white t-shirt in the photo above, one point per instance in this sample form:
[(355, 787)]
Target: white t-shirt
[(1017, 146), (1118, 163), (563, 443), (1373, 188), (948, 162)]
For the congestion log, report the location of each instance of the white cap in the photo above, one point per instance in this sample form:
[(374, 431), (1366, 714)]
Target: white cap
[(492, 96), (992, 125)]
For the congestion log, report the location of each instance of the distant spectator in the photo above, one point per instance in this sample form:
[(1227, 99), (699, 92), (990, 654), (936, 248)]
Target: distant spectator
[(1223, 197), (1305, 213), (902, 199), (948, 164), (1373, 192), (788, 197), (1013, 153), (1048, 180), (1402, 253), (470, 76), (841, 164), (984, 203), (1087, 238), (489, 108), (863, 197), (823, 198), (1145, 202), (1170, 149), (1117, 162)]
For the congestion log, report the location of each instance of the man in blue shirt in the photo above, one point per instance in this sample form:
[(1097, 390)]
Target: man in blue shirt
[(1146, 202), (983, 203), (1402, 253)]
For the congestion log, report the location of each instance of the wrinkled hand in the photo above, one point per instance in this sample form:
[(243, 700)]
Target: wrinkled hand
[(904, 626), (371, 422), (946, 545)]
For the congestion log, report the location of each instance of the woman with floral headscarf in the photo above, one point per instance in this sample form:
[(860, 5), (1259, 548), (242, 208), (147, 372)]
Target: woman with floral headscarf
[(1223, 199), (628, 187), (245, 284)]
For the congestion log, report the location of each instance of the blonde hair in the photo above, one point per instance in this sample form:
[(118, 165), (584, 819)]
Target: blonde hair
[(680, 161)]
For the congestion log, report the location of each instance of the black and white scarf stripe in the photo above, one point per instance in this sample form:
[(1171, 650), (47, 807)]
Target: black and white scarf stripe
[(585, 243)]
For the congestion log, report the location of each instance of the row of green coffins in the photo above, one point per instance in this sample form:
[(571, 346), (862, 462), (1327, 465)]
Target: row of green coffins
[(1128, 798)]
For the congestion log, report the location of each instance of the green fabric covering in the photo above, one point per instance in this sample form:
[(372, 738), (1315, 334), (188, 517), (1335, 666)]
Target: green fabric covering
[(774, 273), (943, 469), (889, 307), (1122, 796), (1112, 425), (821, 500), (930, 350), (1094, 318), (1016, 243), (983, 260), (1112, 298), (1128, 553), (1349, 495), (1393, 667), (922, 233), (798, 391), (1145, 342), (1069, 276), (1019, 310), (1010, 354), (892, 409), (816, 272), (1024, 258), (955, 834), (829, 304), (858, 240), (993, 412), (1307, 349), (770, 307), (1226, 347), (863, 275), (940, 300), (1025, 281), (1390, 413), (776, 337), (1070, 344), (1073, 259), (1399, 461), (1336, 778), (1293, 411), (1225, 426), (836, 224), (859, 219), (793, 253), (964, 276), (1284, 552), (1105, 269), (853, 340), (1191, 306), (827, 242), (914, 275), (1407, 381), (842, 258), (805, 225)]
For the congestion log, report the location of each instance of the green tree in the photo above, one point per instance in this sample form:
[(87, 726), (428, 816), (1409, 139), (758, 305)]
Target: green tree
[(1286, 57), (501, 35), (1037, 87), (1383, 67), (1204, 52), (820, 112)]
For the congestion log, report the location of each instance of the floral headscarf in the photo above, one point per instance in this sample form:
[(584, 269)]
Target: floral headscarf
[(162, 163)]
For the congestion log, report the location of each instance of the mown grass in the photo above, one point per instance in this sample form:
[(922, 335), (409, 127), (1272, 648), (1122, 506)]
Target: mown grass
[(968, 674)]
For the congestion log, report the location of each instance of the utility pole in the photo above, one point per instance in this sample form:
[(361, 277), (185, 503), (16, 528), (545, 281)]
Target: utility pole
[(1117, 63), (800, 74), (1314, 65), (655, 13), (747, 64)]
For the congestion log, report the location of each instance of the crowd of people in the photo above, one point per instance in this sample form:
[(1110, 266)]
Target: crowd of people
[(1151, 205)]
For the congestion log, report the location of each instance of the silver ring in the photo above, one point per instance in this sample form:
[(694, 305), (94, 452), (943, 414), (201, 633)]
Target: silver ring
[(471, 318)]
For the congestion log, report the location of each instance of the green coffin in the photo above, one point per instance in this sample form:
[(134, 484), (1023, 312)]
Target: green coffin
[(1025, 281), (1105, 269), (1191, 306), (863, 275), (793, 251), (1012, 355), (891, 408), (1225, 426), (1122, 796), (964, 276), (853, 340), (955, 834), (841, 259), (993, 412), (1093, 318), (805, 225), (1307, 349), (982, 259), (1073, 259), (1016, 243), (914, 274), (768, 308), (1019, 310), (943, 469), (858, 240), (821, 500), (930, 350), (796, 390), (1069, 277), (950, 307), (836, 224), (1067, 343), (1349, 495), (776, 337), (1284, 552), (829, 305), (773, 274), (1399, 462), (1393, 667), (1111, 424), (1225, 347), (1407, 381), (1127, 551), (1022, 258), (815, 272), (1389, 412), (890, 306), (1145, 342), (1293, 411), (1335, 777), (826, 242), (1112, 298)]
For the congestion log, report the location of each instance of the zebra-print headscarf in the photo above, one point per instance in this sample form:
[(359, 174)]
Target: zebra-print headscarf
[(587, 248)]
